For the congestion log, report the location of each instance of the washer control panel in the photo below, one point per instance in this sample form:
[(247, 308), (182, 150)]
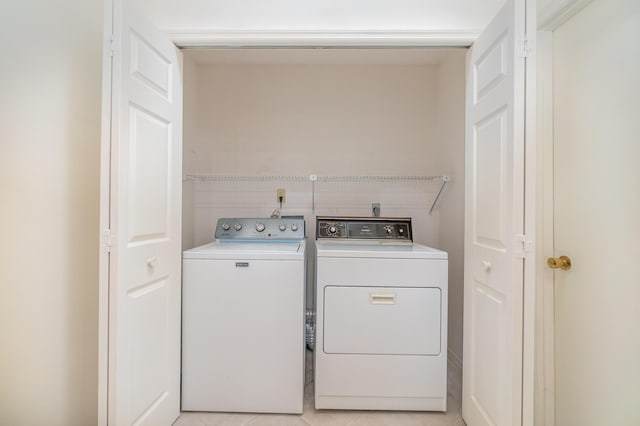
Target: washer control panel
[(364, 228), (260, 229)]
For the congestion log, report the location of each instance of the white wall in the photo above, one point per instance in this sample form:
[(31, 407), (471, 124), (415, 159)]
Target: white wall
[(219, 15), (49, 161), (451, 110), (190, 157)]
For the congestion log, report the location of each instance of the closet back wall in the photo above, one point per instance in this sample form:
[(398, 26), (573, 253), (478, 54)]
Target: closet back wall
[(326, 119), (337, 115), (340, 118)]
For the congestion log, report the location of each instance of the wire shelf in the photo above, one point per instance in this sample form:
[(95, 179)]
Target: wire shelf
[(318, 178), (314, 179)]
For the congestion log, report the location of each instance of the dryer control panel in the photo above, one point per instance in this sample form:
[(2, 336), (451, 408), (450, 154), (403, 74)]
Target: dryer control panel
[(364, 228)]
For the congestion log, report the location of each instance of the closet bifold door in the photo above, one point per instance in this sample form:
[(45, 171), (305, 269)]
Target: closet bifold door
[(494, 222), (140, 274)]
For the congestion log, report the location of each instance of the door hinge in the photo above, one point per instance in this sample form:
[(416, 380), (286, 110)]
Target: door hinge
[(112, 47), (523, 246), (524, 46), (107, 240)]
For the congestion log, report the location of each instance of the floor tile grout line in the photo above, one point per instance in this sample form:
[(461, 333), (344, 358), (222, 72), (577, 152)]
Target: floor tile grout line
[(249, 420)]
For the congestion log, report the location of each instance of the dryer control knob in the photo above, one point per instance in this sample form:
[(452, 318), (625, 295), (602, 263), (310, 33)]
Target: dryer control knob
[(333, 229), (237, 227), (282, 227), (260, 227), (294, 227), (225, 226)]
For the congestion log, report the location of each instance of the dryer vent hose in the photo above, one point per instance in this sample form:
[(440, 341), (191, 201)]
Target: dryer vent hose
[(310, 334)]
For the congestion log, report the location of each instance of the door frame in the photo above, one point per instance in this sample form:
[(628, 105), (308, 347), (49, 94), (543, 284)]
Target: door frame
[(392, 38), (550, 18), (322, 38), (104, 275)]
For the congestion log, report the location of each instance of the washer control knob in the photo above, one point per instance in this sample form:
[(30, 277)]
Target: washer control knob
[(389, 229), (333, 229), (294, 227), (282, 227), (237, 227), (225, 226), (260, 227)]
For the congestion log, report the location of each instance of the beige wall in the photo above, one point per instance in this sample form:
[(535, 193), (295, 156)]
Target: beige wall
[(190, 154), (327, 119), (451, 110), (50, 134), (324, 118)]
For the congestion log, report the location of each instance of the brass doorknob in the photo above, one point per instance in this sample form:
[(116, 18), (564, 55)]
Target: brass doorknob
[(562, 262)]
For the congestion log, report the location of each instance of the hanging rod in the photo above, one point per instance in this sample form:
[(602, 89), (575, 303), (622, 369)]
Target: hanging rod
[(237, 178), (368, 178), (313, 178)]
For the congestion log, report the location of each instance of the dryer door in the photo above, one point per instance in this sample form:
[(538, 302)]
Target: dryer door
[(382, 320)]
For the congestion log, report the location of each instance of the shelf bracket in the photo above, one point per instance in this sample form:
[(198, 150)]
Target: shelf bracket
[(313, 179), (445, 179)]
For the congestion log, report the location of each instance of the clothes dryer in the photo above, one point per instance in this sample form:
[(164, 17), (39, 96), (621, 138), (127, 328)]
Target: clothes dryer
[(381, 310)]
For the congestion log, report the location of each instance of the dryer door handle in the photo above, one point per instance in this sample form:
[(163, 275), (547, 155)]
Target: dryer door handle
[(382, 298)]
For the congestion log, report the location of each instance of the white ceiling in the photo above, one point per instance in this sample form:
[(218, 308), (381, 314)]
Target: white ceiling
[(238, 15), (320, 56)]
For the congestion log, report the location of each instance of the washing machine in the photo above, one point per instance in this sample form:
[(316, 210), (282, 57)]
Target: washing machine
[(381, 317), (243, 318)]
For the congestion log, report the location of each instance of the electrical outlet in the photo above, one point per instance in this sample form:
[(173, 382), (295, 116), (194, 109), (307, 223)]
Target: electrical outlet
[(280, 195), (375, 209)]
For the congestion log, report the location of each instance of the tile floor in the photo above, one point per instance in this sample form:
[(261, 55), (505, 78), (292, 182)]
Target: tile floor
[(314, 417)]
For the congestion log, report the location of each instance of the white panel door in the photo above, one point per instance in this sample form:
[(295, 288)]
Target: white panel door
[(492, 378), (144, 208), (597, 215)]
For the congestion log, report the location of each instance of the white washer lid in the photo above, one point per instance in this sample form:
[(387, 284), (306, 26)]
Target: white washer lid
[(248, 250), (378, 250)]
